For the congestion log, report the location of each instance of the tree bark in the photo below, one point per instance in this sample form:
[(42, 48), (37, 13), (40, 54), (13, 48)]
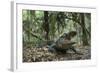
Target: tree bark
[(84, 33), (46, 25)]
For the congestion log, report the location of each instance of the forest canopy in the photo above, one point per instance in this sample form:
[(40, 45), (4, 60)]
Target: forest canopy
[(45, 26)]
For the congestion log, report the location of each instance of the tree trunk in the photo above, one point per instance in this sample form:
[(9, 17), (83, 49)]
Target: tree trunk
[(84, 34), (28, 18), (46, 25)]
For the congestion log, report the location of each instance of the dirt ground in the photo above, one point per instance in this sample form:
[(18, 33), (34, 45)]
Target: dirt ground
[(44, 55)]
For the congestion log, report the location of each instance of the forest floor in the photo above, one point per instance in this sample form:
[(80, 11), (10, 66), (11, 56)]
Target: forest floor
[(44, 55)]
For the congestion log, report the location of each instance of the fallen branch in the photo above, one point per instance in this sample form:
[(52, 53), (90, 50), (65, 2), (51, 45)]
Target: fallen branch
[(34, 35)]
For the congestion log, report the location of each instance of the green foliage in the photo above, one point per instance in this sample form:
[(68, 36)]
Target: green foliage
[(58, 23)]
